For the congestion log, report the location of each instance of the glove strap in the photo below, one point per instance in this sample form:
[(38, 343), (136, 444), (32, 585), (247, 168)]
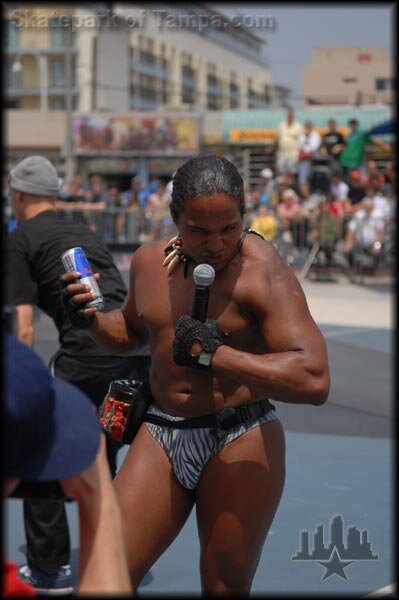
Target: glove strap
[(204, 359)]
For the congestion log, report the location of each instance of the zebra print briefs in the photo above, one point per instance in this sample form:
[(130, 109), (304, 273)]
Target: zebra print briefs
[(189, 450)]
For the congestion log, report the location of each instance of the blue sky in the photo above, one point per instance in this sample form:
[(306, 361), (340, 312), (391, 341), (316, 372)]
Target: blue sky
[(301, 27)]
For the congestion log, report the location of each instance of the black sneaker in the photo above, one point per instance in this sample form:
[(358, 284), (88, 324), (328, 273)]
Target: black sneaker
[(55, 584)]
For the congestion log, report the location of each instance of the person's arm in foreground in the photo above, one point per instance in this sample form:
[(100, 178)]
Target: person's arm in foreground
[(119, 330), (24, 324), (102, 562), (296, 367)]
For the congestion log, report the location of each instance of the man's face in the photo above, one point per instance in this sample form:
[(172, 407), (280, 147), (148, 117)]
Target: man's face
[(210, 228), (290, 116)]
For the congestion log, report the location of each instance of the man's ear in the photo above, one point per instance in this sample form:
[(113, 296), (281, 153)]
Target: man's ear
[(19, 196)]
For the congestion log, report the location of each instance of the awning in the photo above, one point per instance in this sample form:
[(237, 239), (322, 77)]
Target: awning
[(239, 126)]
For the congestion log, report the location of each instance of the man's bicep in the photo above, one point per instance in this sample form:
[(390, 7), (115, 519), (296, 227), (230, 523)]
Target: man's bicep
[(129, 308), (285, 320), (132, 319)]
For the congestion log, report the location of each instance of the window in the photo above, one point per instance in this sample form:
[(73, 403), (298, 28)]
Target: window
[(188, 95), (58, 103), (148, 89), (57, 73), (234, 95), (188, 75), (12, 34), (59, 34), (12, 103), (164, 92), (384, 84), (148, 58)]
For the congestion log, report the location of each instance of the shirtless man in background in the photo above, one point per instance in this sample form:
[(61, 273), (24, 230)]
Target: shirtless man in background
[(259, 341)]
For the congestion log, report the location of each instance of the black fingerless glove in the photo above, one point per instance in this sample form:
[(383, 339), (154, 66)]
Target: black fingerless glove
[(75, 312), (188, 330)]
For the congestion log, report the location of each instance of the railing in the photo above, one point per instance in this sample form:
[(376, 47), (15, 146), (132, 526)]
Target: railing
[(123, 226)]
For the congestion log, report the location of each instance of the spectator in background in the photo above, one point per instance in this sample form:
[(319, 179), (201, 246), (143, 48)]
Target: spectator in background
[(285, 181), (373, 176), (158, 212), (266, 189), (341, 205), (134, 194), (71, 196), (288, 133), (9, 220), (74, 191), (356, 190), (96, 196), (326, 231), (158, 200), (382, 206), (113, 201), (289, 208), (265, 222), (389, 175), (334, 142), (309, 201), (130, 218), (353, 154), (309, 143), (52, 433), (339, 188), (365, 233), (96, 190)]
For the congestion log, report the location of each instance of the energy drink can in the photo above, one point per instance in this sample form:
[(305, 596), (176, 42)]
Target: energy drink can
[(75, 260)]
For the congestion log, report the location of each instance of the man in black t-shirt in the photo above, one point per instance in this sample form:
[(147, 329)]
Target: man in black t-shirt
[(33, 267), (334, 142)]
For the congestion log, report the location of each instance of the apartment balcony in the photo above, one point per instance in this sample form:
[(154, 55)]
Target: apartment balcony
[(51, 50), (151, 70), (189, 81), (139, 103), (52, 90)]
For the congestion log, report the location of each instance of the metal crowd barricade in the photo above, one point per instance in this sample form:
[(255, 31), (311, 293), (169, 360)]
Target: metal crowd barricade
[(292, 241), (118, 225)]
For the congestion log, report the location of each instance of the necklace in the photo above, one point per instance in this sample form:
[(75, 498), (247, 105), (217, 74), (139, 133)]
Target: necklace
[(174, 255)]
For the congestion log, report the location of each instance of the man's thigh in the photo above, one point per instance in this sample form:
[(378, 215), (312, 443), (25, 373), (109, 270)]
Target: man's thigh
[(154, 505), (237, 498)]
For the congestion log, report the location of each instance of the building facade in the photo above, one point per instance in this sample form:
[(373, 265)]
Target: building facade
[(349, 75), (132, 58)]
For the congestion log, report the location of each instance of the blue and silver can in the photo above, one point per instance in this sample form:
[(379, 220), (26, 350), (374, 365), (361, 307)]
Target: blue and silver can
[(75, 260)]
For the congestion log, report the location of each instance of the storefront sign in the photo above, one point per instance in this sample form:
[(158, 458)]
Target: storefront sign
[(136, 134), (252, 136)]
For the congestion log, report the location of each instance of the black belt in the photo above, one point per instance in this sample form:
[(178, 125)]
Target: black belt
[(225, 419)]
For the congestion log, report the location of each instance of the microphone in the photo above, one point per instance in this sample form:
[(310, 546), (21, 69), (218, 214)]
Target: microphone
[(203, 276)]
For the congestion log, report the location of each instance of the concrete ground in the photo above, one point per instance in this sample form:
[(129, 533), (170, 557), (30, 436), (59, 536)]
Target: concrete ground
[(339, 459)]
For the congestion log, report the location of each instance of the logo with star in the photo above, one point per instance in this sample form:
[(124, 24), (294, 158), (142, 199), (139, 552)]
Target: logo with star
[(343, 549), (335, 566)]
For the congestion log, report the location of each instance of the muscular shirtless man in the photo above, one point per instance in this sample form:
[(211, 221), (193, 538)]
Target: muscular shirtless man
[(259, 341)]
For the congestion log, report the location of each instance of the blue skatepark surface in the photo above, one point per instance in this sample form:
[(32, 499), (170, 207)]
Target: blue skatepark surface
[(339, 462)]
